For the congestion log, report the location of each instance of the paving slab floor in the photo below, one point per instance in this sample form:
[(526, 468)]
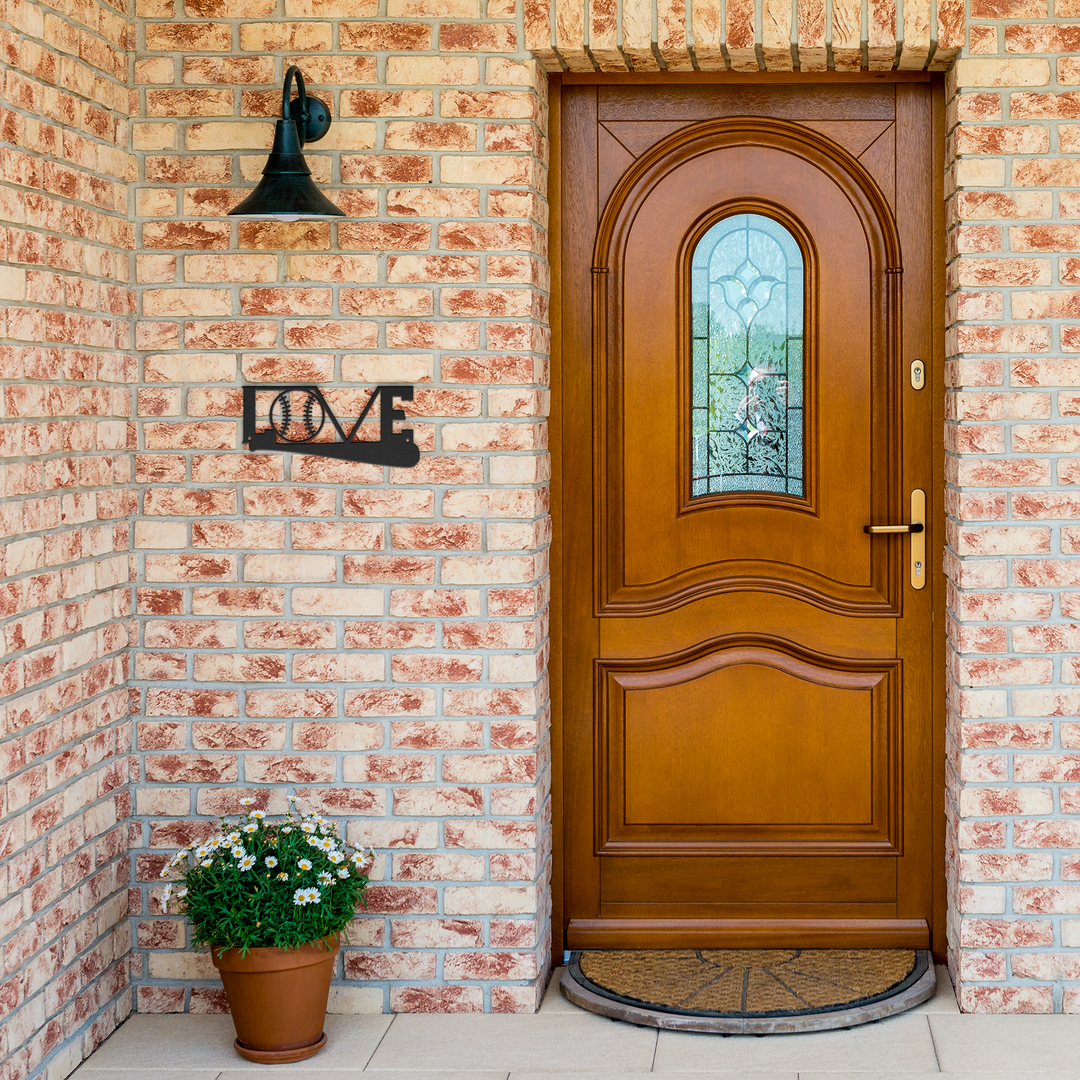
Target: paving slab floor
[(934, 1039)]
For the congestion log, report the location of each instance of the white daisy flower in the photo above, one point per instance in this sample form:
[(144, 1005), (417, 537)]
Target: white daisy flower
[(336, 857), (304, 864), (201, 851), (270, 861), (251, 826), (165, 897), (232, 837), (325, 879), (283, 876), (238, 851), (287, 829), (325, 843), (303, 897), (309, 827), (181, 893), (247, 802), (343, 872), (247, 862), (207, 862), (258, 815)]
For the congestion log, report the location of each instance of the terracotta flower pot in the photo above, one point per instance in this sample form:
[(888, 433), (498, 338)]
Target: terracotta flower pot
[(278, 999)]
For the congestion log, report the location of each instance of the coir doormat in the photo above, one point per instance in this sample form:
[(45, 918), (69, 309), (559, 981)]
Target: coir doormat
[(750, 990)]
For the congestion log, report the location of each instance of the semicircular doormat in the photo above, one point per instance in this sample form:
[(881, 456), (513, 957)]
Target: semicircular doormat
[(756, 991)]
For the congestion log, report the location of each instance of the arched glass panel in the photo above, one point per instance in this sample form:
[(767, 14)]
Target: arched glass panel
[(747, 329)]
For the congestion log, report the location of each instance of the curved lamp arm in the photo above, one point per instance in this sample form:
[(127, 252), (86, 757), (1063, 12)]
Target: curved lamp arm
[(286, 103)]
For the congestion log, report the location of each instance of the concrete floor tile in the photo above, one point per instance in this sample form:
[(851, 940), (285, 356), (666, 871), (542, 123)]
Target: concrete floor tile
[(147, 1073), (719, 1075), (982, 1044), (944, 999), (369, 1074), (900, 1044), (427, 1074), (157, 1042), (558, 1044), (832, 1074)]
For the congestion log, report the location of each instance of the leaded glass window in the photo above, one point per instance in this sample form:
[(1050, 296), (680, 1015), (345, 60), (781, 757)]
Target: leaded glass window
[(747, 297)]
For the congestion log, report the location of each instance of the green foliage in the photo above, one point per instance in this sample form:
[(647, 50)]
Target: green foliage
[(260, 883)]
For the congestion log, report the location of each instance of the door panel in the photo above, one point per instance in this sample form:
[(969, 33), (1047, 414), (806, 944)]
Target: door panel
[(747, 700), (800, 755), (814, 759)]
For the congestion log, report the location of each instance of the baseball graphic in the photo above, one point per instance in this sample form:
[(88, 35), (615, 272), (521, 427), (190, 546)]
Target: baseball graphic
[(297, 415)]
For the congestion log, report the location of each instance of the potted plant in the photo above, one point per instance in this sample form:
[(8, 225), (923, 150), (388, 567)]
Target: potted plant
[(271, 899)]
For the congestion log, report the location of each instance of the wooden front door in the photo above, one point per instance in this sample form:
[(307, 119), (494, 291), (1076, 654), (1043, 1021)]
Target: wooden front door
[(748, 676)]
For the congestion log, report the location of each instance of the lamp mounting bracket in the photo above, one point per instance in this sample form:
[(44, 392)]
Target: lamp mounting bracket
[(318, 118)]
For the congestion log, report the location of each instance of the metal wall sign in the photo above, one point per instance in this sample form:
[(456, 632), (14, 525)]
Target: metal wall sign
[(298, 417)]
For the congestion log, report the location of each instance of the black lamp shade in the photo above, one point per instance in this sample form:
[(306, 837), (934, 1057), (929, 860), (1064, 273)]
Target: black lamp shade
[(286, 190)]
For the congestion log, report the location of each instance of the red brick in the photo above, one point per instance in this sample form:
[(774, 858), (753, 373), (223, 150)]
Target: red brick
[(436, 734), (339, 735), (401, 900), (436, 999), (389, 569), (238, 736), (205, 702), (385, 965), (286, 634), (435, 933), (385, 169), (286, 769), (191, 768), (387, 103), (390, 702), (1062, 768)]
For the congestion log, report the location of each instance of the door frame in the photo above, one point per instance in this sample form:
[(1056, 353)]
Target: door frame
[(936, 501)]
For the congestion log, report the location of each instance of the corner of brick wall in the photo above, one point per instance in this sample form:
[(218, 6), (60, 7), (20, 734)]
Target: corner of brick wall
[(1013, 378), (372, 640), (66, 372)]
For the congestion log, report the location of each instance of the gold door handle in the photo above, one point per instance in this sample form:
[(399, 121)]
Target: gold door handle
[(917, 529)]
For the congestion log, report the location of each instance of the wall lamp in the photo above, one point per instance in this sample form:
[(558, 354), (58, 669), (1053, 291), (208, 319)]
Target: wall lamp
[(286, 191)]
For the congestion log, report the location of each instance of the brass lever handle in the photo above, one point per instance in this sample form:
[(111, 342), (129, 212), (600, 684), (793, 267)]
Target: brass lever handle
[(875, 530), (918, 541)]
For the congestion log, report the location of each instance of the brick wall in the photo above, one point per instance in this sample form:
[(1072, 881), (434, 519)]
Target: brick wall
[(373, 640), (376, 640), (65, 479), (1012, 437)]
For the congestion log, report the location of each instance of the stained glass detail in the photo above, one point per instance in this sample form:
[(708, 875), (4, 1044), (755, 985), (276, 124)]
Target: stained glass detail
[(747, 355)]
